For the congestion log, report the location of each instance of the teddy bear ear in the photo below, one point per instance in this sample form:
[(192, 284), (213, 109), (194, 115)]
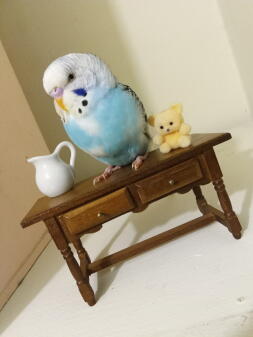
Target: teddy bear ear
[(177, 107), (151, 120)]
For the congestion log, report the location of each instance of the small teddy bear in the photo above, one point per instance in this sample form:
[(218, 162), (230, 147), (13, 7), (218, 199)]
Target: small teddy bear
[(172, 132)]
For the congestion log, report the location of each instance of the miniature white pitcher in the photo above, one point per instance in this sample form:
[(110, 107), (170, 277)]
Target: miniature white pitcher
[(54, 176)]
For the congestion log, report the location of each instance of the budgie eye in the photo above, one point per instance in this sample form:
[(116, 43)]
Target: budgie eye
[(71, 77), (161, 127), (171, 123)]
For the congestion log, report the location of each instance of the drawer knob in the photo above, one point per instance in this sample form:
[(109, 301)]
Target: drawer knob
[(100, 214), (171, 182)]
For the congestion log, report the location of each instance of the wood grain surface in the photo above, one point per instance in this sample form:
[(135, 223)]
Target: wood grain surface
[(168, 180), (98, 211), (84, 191)]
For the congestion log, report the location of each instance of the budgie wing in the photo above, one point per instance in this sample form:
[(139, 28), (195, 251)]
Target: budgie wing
[(139, 105)]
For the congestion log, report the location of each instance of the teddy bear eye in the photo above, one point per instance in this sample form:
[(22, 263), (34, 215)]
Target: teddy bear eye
[(171, 123), (161, 127)]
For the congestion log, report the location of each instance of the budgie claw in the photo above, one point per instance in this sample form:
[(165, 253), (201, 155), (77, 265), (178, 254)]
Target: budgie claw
[(107, 173), (136, 164)]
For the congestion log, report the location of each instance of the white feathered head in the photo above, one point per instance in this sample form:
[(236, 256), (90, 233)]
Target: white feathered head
[(75, 75), (74, 71)]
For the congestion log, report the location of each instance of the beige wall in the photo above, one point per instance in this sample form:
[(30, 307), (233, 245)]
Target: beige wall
[(168, 51), (19, 137), (238, 19)]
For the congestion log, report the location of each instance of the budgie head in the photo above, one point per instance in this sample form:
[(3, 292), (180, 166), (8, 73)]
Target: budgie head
[(77, 82)]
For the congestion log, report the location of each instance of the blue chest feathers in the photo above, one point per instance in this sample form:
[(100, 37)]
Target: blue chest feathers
[(112, 131)]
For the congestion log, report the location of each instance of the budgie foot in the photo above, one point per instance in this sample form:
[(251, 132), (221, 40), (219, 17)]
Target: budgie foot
[(136, 164), (107, 173)]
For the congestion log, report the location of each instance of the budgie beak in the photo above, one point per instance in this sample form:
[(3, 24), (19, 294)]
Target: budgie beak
[(56, 92), (59, 101)]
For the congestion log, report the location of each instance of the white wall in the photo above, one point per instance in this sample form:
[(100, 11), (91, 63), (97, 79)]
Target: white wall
[(168, 51), (181, 53), (238, 19)]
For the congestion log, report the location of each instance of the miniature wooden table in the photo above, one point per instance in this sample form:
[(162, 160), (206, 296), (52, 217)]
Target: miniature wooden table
[(86, 208)]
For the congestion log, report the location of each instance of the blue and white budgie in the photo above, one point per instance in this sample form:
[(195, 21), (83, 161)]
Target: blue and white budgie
[(101, 116)]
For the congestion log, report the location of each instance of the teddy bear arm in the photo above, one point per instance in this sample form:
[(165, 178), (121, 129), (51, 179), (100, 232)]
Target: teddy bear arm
[(185, 129), (158, 139)]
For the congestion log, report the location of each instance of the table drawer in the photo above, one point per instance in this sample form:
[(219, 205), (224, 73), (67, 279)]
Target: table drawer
[(168, 180), (98, 211)]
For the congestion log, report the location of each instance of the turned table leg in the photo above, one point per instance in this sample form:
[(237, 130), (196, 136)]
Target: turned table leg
[(62, 244), (201, 201), (231, 218), (213, 172), (83, 256)]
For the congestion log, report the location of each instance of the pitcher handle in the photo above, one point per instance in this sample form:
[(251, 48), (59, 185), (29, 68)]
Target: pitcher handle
[(72, 151)]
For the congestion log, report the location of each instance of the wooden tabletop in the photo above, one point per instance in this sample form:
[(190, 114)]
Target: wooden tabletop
[(84, 191)]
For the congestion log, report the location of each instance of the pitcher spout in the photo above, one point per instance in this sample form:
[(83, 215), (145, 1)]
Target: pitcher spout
[(35, 160), (31, 160)]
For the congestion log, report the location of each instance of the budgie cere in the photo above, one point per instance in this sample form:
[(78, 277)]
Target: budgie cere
[(100, 115)]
